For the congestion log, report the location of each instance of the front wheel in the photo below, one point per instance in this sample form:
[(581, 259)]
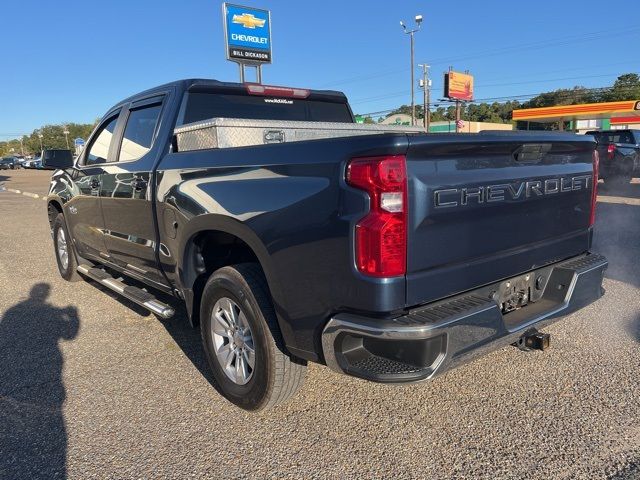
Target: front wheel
[(65, 255), (242, 340)]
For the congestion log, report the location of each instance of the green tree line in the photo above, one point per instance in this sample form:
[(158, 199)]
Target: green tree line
[(52, 137), (625, 87)]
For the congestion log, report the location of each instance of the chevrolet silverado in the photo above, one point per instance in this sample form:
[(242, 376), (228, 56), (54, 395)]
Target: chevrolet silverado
[(293, 235)]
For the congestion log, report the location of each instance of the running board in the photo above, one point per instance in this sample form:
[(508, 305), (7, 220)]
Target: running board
[(135, 294)]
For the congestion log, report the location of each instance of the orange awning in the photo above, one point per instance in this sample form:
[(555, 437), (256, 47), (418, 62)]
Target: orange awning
[(586, 111)]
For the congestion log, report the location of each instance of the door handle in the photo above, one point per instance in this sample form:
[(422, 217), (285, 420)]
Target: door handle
[(138, 183)]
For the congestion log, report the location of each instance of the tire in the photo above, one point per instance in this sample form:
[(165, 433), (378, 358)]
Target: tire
[(275, 375), (66, 268)]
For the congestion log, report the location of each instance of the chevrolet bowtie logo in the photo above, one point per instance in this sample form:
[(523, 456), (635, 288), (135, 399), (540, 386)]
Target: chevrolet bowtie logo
[(247, 20)]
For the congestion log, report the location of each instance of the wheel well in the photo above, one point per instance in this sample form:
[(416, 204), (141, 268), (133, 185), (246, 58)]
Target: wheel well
[(209, 251), (53, 209)]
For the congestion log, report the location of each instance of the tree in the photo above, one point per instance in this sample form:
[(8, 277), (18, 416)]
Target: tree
[(52, 137), (626, 87), (562, 96), (406, 109)]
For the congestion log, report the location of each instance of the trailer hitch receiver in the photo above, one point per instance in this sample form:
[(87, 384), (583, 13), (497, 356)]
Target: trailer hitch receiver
[(534, 340)]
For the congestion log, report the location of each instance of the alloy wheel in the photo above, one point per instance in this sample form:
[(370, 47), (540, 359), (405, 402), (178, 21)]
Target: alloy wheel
[(232, 341)]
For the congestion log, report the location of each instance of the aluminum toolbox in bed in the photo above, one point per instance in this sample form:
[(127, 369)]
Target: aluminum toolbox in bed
[(236, 132)]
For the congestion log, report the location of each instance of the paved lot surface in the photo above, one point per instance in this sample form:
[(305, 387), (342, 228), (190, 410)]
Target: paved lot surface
[(91, 388)]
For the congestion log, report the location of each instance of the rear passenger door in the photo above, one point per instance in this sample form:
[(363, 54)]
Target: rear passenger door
[(127, 194)]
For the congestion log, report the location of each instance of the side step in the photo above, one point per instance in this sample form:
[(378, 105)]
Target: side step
[(135, 294)]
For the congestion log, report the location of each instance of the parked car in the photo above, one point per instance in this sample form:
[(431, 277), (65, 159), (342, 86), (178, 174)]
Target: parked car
[(619, 154), (7, 163), (33, 163), (293, 234)]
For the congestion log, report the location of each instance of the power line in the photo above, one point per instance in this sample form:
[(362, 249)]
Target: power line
[(561, 95), (403, 93), (556, 42)]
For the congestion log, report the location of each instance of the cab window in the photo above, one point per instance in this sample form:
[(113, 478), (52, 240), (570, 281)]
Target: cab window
[(98, 151), (138, 134)]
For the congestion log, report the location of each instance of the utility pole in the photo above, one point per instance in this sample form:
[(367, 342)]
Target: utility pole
[(426, 91), (418, 20), (66, 135)]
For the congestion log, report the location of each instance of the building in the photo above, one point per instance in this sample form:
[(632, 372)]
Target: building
[(397, 119), (468, 127), (447, 126), (581, 118)]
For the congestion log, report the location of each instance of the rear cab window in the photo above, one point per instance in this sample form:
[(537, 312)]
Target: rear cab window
[(203, 105)]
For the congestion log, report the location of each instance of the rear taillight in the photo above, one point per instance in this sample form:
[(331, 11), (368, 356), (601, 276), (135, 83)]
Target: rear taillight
[(594, 191), (381, 236), (611, 151)]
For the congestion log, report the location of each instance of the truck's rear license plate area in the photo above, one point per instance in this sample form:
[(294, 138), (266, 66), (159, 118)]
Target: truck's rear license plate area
[(517, 292)]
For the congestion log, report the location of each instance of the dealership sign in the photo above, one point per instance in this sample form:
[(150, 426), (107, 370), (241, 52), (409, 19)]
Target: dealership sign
[(458, 86), (247, 33)]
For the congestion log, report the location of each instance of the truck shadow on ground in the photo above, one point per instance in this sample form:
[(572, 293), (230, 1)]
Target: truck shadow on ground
[(635, 331), (615, 237), (631, 472), (33, 438), (187, 338), (189, 341), (629, 190)]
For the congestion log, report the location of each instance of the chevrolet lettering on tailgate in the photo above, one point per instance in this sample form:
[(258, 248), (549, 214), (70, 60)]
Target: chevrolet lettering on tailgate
[(504, 192)]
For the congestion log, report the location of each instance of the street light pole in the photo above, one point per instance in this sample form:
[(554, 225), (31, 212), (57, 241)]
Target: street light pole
[(418, 20), (426, 88)]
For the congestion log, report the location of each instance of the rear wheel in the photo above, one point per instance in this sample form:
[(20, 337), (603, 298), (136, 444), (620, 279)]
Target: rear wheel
[(242, 340), (65, 256)]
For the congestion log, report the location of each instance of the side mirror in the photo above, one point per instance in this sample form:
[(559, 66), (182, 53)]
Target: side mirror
[(57, 159)]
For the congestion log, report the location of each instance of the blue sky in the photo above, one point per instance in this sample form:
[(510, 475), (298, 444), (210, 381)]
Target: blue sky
[(69, 61)]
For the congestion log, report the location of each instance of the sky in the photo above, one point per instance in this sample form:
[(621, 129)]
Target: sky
[(70, 61)]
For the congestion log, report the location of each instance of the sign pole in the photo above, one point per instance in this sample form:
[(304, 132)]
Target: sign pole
[(241, 65)]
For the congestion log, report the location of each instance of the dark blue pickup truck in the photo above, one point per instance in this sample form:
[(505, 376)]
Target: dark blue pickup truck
[(292, 234)]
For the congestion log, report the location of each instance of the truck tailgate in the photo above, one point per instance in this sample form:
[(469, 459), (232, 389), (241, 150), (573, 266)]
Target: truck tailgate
[(491, 206)]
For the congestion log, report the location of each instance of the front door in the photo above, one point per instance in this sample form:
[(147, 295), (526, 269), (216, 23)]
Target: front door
[(126, 194), (82, 211)]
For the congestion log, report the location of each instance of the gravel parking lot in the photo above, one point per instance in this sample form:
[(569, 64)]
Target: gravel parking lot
[(93, 387)]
